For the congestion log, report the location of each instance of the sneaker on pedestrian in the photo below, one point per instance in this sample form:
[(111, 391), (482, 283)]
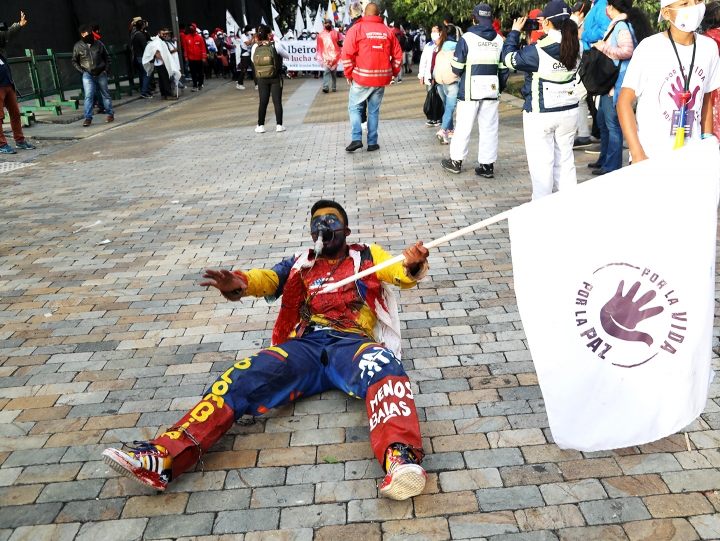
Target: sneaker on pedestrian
[(280, 127), (7, 149), (405, 477), (144, 463), (239, 86), (373, 147), (353, 146), (146, 96), (194, 89), (452, 166), (593, 150), (111, 118), (87, 122), (260, 129), (25, 146), (392, 81), (334, 89), (485, 170), (399, 81), (364, 126), (442, 135), (256, 87), (582, 142), (325, 90)]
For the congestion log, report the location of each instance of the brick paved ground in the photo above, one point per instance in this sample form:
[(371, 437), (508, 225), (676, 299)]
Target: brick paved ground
[(103, 343)]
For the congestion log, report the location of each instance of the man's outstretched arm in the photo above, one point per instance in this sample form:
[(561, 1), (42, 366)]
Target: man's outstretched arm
[(405, 274)]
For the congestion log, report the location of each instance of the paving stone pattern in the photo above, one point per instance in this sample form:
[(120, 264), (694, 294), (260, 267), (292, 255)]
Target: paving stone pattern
[(102, 343)]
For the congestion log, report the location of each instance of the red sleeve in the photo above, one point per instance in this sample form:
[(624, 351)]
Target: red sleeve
[(349, 52)]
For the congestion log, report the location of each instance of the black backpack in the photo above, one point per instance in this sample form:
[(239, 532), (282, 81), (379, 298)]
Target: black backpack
[(597, 71)]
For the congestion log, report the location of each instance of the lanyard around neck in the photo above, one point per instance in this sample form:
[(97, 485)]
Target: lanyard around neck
[(686, 80)]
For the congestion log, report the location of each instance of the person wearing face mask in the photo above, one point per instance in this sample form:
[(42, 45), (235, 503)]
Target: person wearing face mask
[(328, 46), (478, 64), (195, 54), (427, 66), (693, 64), (91, 59), (348, 339), (629, 27), (551, 102)]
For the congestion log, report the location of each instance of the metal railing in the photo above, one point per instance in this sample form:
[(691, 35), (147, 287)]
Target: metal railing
[(48, 79)]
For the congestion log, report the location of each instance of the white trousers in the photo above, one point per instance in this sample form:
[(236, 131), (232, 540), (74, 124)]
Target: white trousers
[(583, 127), (486, 113), (549, 140)]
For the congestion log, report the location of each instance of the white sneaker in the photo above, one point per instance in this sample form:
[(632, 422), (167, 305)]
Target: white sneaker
[(256, 87), (260, 129), (280, 128), (239, 86), (364, 126)]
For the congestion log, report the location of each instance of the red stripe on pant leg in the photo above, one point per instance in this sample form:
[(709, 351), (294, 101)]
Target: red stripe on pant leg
[(206, 425), (392, 415)]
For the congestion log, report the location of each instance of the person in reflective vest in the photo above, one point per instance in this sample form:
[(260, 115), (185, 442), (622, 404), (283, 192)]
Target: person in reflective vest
[(483, 76), (551, 99)]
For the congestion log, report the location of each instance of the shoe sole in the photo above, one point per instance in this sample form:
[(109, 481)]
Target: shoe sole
[(451, 170), (124, 468), (407, 481)]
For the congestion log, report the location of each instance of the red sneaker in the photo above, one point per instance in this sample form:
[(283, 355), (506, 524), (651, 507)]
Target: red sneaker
[(145, 463), (405, 478)]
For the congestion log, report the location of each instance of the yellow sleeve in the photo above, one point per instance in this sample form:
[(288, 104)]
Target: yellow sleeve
[(395, 273), (261, 282)]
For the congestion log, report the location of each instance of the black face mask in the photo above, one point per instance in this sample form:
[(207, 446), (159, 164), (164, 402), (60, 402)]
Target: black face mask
[(89, 39), (328, 27)]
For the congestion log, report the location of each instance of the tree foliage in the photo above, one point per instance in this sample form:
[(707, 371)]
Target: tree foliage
[(426, 13)]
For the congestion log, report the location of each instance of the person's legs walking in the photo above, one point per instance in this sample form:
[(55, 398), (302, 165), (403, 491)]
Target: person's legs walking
[(451, 92), (196, 71), (604, 135), (89, 95), (8, 98), (102, 88), (333, 75), (488, 123), (356, 104), (164, 79), (326, 78), (614, 147), (373, 111), (467, 111)]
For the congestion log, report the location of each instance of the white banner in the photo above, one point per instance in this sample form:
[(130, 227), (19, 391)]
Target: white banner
[(302, 56), (615, 283)]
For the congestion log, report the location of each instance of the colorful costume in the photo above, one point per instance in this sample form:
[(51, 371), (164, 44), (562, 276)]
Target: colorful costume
[(320, 342)]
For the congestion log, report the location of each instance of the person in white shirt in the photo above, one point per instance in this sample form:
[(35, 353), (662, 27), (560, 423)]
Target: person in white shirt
[(242, 47), (663, 68)]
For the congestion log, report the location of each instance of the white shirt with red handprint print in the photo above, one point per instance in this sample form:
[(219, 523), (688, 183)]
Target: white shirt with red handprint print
[(654, 75)]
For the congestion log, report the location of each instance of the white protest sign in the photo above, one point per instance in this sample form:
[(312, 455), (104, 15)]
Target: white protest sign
[(302, 56)]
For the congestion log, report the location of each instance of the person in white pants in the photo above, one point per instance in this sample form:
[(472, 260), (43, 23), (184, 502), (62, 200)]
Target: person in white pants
[(550, 112), (482, 76)]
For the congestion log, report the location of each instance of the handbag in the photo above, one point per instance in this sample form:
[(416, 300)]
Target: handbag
[(433, 107), (598, 71)]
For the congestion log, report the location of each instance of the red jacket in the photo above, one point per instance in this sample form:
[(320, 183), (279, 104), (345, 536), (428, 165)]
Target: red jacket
[(371, 53), (195, 47)]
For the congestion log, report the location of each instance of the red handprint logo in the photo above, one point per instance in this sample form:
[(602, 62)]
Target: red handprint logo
[(677, 92), (620, 314)]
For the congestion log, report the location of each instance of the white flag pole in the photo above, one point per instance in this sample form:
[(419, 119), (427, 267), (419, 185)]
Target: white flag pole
[(434, 244)]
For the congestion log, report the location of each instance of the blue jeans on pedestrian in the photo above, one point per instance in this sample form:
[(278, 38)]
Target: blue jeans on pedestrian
[(611, 136), (358, 95), (96, 84), (448, 93), (144, 77)]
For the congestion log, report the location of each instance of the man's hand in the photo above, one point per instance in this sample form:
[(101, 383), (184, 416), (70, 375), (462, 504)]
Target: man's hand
[(349, 81), (519, 23), (415, 256), (23, 20), (224, 281)]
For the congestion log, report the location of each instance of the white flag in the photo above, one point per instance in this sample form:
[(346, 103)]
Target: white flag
[(329, 14), (615, 283), (308, 20), (298, 23), (230, 24), (275, 14), (262, 20)]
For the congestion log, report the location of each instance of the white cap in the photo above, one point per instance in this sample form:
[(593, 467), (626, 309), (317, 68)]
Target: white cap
[(664, 3)]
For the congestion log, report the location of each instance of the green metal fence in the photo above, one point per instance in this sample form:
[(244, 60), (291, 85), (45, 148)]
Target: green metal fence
[(49, 79)]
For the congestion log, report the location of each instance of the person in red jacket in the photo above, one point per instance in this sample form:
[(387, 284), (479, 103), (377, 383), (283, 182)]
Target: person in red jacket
[(195, 52), (371, 57)]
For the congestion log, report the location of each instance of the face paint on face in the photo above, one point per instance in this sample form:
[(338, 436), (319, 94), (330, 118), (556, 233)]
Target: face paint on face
[(328, 225)]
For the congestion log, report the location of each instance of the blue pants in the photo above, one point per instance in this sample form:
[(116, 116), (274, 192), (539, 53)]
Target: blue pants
[(358, 95), (317, 362), (448, 93), (144, 77), (611, 136), (96, 84)]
